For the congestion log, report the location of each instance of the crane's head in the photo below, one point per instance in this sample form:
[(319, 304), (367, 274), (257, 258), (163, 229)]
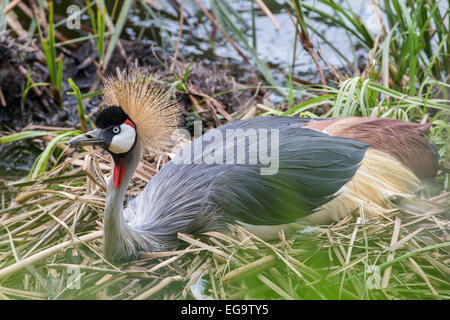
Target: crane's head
[(115, 132), (139, 107)]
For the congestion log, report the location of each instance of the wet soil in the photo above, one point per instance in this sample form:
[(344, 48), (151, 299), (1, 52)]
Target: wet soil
[(39, 107)]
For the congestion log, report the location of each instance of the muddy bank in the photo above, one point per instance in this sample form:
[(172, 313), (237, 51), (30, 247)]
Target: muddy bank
[(201, 97), (40, 108)]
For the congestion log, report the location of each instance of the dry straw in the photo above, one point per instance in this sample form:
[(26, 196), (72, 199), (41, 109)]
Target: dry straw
[(50, 248)]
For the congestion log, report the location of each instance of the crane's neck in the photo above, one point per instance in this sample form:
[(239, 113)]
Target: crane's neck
[(117, 238)]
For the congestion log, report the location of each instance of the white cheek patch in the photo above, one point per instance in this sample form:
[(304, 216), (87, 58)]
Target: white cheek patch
[(123, 141)]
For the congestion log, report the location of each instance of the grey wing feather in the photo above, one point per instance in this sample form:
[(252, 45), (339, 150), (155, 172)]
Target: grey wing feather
[(189, 197)]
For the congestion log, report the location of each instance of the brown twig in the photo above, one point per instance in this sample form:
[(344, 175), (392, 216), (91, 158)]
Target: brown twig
[(223, 32), (217, 105), (2, 98), (11, 6), (309, 47), (161, 285), (180, 34), (266, 10)]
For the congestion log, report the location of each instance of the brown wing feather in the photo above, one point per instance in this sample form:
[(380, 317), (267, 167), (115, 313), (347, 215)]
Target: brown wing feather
[(403, 140)]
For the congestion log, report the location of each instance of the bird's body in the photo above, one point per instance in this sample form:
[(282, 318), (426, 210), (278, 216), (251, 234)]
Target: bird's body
[(190, 196), (324, 172)]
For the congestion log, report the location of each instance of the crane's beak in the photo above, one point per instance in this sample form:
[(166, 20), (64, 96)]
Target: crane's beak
[(97, 137)]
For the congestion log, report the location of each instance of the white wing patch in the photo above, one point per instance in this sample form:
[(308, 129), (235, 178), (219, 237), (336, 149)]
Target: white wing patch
[(123, 141)]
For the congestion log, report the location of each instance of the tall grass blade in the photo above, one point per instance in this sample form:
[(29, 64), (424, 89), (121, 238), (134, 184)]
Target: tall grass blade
[(80, 109), (118, 29)]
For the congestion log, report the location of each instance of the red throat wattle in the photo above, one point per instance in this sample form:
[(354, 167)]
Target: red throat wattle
[(119, 170), (118, 173)]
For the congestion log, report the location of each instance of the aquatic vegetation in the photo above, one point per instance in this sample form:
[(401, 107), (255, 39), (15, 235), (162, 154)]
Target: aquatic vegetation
[(54, 64)]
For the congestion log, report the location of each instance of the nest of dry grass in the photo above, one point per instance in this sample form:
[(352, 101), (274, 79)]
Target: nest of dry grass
[(51, 248)]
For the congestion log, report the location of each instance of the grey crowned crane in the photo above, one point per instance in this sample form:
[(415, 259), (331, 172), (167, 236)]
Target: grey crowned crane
[(325, 171)]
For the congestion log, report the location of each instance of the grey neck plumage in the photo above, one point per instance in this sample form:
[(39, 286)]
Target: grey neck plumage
[(118, 237)]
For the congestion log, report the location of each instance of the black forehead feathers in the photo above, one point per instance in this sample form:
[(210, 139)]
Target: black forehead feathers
[(110, 116)]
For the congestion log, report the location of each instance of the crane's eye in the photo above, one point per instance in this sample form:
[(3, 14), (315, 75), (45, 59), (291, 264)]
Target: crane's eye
[(116, 130)]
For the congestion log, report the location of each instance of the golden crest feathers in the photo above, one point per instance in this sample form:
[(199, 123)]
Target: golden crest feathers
[(147, 101)]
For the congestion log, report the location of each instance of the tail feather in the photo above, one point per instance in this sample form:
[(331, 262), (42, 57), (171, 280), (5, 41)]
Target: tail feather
[(403, 140), (378, 179)]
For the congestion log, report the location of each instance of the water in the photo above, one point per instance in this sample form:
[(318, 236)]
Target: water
[(274, 46), (16, 159)]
